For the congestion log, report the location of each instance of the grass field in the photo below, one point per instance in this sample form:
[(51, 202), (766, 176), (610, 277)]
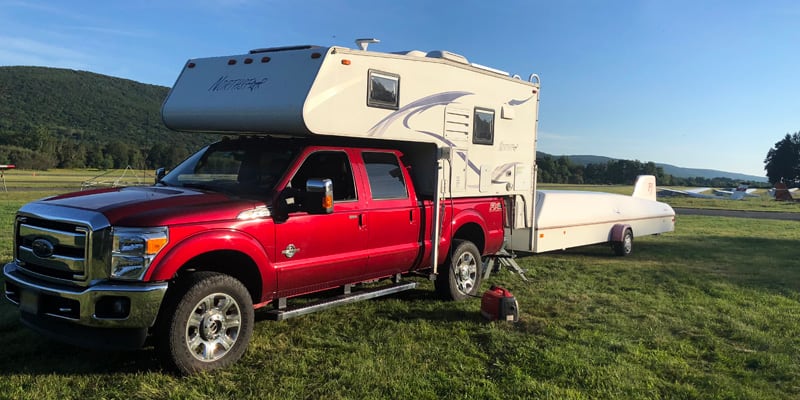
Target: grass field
[(709, 311)]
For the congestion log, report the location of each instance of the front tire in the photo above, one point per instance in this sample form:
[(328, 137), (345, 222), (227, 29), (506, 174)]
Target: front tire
[(624, 247), (462, 277), (205, 324)]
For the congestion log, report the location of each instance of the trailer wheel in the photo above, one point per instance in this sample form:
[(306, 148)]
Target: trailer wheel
[(462, 277), (205, 324), (625, 246)]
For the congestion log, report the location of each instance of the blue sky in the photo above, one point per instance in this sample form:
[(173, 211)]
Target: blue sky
[(693, 83)]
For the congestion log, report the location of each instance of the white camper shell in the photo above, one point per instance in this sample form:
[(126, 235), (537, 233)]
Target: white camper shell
[(469, 130)]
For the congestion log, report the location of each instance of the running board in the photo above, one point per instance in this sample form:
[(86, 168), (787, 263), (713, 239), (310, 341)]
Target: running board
[(291, 312)]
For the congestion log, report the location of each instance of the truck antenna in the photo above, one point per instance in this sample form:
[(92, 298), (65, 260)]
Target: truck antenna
[(364, 43)]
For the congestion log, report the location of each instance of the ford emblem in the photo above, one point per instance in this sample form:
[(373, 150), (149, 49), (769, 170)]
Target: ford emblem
[(42, 248)]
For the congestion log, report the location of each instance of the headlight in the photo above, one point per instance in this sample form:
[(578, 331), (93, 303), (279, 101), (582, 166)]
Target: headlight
[(133, 249)]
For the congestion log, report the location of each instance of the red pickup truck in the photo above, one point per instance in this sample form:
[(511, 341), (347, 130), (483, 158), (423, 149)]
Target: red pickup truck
[(244, 223)]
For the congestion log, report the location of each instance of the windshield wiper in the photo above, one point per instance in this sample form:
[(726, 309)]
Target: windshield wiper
[(209, 187), (201, 186)]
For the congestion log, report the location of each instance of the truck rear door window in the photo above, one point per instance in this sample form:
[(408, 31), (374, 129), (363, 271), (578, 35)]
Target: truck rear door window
[(386, 179)]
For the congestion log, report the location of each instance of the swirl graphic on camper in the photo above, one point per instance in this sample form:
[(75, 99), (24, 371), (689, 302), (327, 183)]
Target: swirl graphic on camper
[(502, 174), (519, 102), (414, 108)]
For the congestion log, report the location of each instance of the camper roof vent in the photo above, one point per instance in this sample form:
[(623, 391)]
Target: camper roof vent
[(448, 56), (490, 69), (414, 53), (364, 43)]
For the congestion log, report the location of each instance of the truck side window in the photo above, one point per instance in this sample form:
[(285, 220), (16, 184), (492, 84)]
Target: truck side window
[(385, 176), (333, 165)]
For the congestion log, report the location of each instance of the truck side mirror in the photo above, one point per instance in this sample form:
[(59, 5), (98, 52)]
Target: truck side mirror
[(160, 173), (319, 196)]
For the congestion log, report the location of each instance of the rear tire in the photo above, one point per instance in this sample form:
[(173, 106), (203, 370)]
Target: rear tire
[(460, 276), (625, 247), (205, 324)]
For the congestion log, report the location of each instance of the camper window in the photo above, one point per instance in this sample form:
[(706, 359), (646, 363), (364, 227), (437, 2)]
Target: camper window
[(483, 126), (383, 90)]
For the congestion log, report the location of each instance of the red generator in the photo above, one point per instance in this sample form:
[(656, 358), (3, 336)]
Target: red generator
[(498, 303)]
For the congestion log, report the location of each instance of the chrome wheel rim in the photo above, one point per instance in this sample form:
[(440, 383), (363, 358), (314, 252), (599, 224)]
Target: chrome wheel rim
[(628, 244), (466, 272), (213, 327)]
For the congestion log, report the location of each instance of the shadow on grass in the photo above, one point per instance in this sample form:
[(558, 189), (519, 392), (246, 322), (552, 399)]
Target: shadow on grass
[(419, 303), (33, 354), (28, 353)]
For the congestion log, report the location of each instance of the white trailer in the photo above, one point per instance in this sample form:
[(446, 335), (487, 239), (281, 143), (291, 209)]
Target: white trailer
[(567, 218), (466, 129)]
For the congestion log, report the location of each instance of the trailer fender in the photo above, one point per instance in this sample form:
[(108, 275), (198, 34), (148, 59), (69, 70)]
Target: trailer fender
[(209, 242), (622, 239), (618, 232)]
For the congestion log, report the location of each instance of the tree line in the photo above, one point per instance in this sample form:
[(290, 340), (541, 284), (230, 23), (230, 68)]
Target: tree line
[(615, 172)]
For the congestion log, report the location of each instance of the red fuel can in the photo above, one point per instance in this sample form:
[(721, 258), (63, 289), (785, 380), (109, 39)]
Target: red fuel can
[(498, 303)]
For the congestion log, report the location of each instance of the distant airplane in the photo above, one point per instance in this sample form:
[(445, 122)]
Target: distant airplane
[(739, 193), (733, 194), (696, 193)]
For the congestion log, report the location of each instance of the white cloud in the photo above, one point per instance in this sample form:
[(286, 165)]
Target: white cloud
[(62, 13), (111, 31), (23, 51), (556, 137)]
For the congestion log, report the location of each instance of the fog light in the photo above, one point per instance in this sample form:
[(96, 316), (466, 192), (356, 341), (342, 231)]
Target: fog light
[(12, 293), (112, 307)]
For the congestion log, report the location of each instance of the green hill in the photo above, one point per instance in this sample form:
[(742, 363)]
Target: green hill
[(53, 117), (678, 172)]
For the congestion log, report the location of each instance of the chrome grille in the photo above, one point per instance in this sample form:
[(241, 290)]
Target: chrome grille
[(53, 249)]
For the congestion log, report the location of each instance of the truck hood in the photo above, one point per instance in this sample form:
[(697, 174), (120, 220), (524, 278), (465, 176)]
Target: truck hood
[(155, 206)]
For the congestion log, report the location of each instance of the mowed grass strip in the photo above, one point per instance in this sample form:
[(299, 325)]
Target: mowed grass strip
[(74, 179), (708, 311)]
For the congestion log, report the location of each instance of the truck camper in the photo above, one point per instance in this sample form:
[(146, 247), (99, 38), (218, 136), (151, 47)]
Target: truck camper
[(337, 167)]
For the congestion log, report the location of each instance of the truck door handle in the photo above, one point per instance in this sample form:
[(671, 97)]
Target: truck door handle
[(360, 219), (410, 215)]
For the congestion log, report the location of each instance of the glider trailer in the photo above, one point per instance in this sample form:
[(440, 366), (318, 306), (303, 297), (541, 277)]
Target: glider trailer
[(339, 167)]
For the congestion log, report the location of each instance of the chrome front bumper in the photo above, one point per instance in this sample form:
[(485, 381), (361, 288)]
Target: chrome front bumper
[(103, 305)]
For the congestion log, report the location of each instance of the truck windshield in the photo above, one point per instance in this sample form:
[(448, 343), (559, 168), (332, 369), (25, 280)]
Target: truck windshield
[(242, 167)]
